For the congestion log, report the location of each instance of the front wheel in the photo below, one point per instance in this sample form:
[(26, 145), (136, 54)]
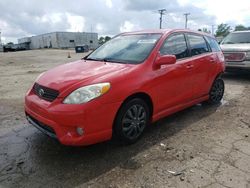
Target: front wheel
[(131, 121), (217, 91)]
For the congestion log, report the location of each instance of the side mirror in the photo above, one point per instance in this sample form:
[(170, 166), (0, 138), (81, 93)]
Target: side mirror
[(164, 60)]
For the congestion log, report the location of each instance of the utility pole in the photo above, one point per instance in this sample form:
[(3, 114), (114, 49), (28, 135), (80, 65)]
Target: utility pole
[(186, 19), (213, 30), (161, 12)]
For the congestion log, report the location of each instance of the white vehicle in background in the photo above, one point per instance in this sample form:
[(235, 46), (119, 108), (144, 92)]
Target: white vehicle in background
[(236, 49)]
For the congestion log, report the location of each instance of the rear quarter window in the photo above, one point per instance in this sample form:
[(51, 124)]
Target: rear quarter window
[(213, 44), (197, 44)]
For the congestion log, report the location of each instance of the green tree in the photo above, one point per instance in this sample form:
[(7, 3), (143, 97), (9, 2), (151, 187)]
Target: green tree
[(102, 40), (222, 30), (107, 38), (240, 28)]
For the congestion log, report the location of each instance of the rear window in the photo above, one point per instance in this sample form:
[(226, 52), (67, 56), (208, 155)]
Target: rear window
[(236, 38), (198, 44), (213, 44)]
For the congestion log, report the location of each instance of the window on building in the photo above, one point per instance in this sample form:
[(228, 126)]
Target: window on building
[(71, 40), (91, 41)]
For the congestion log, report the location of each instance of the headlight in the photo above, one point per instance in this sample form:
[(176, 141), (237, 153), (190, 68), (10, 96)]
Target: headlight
[(87, 93)]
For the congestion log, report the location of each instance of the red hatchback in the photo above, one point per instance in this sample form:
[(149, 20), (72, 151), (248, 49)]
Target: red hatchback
[(132, 80)]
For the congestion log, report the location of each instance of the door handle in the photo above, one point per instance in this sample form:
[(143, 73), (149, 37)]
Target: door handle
[(189, 66), (212, 60)]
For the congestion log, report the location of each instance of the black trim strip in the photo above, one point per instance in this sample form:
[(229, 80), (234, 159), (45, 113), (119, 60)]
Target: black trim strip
[(43, 130)]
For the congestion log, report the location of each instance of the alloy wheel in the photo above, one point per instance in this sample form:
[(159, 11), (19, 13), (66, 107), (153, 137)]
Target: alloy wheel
[(134, 121), (217, 91)]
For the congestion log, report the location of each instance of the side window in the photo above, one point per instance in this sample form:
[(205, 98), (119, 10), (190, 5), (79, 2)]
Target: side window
[(175, 45), (198, 44), (213, 44)]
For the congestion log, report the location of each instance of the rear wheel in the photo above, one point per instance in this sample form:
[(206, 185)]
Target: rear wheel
[(217, 91), (131, 121)]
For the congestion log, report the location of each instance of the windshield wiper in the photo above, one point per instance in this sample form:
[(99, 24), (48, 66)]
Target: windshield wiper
[(92, 59), (111, 60)]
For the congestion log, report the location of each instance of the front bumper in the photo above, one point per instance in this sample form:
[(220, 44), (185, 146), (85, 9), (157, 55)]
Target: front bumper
[(238, 65), (60, 120)]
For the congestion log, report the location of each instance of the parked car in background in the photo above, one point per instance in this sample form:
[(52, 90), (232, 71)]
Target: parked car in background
[(124, 85), (236, 49)]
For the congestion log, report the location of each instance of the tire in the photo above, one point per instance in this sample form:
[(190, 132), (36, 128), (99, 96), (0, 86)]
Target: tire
[(131, 121), (217, 91)]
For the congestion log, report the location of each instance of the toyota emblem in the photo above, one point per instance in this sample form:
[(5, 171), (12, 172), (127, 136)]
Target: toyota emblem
[(41, 92)]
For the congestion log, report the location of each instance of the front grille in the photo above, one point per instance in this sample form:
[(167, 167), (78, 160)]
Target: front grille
[(41, 126), (45, 93), (234, 56)]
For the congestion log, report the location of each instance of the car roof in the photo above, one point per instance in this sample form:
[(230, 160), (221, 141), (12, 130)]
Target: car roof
[(165, 31)]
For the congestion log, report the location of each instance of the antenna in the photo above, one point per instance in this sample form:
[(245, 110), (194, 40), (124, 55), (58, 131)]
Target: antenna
[(161, 12)]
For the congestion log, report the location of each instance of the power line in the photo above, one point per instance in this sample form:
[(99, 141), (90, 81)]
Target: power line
[(161, 12), (186, 19)]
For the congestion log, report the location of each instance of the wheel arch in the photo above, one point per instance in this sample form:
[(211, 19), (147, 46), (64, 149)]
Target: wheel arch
[(216, 76), (142, 95)]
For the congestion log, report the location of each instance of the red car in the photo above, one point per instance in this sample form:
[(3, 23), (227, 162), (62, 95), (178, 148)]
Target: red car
[(132, 80)]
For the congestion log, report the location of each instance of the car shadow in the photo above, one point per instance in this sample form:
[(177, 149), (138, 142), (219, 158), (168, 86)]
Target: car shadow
[(47, 161), (237, 75)]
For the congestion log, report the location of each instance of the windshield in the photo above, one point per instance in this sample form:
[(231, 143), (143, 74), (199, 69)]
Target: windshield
[(234, 38), (131, 49)]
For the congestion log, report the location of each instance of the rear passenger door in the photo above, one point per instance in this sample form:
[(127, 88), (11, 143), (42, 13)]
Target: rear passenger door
[(202, 64)]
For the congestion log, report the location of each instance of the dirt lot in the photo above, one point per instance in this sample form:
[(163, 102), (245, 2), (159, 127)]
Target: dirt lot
[(208, 146)]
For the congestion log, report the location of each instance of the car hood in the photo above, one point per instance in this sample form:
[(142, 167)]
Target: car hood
[(67, 75), (235, 47)]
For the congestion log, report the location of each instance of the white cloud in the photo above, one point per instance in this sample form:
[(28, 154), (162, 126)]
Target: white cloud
[(77, 23), (128, 26), (225, 11), (109, 3), (99, 27)]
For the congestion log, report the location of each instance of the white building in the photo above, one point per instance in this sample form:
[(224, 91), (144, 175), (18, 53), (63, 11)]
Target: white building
[(60, 40)]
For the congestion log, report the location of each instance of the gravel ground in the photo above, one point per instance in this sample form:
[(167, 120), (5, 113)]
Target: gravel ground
[(202, 146)]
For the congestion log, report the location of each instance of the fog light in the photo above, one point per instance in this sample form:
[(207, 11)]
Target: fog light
[(79, 131)]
